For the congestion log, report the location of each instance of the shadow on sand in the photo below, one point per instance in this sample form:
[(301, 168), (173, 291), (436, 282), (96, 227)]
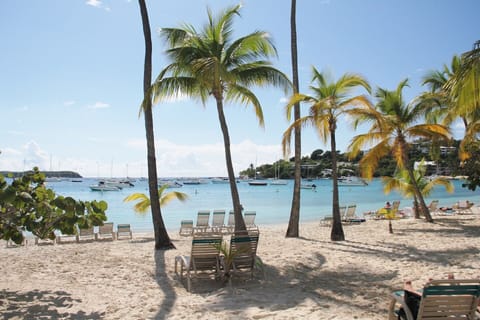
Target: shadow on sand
[(38, 304)]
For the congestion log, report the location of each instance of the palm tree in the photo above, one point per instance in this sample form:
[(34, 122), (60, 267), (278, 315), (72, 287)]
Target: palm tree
[(293, 230), (162, 240), (401, 182), (330, 101), (394, 126), (144, 203), (212, 64)]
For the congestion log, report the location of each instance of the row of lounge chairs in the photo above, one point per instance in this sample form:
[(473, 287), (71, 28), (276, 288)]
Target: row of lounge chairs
[(217, 225), (210, 257), (105, 232), (347, 214)]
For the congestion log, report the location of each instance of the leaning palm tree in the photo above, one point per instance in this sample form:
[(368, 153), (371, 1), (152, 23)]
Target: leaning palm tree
[(329, 101), (293, 228), (143, 201), (162, 240), (394, 125), (401, 182), (210, 63)]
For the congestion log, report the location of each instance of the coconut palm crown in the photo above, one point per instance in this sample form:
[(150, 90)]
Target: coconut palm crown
[(394, 125), (211, 63), (330, 100)]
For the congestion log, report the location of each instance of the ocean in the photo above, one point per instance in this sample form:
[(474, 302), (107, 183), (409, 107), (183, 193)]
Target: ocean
[(271, 202)]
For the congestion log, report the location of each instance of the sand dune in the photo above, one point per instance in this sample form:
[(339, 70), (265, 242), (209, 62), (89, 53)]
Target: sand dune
[(306, 278)]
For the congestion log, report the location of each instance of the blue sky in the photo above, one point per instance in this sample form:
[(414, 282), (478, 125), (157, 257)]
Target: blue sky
[(71, 77)]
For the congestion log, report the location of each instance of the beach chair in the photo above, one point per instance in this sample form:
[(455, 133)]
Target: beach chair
[(203, 217), (249, 218), (440, 299), (124, 230), (218, 220), (105, 232), (326, 221), (230, 227), (350, 217), (186, 228), (242, 253), (204, 259), (433, 207), (463, 207), (85, 234)]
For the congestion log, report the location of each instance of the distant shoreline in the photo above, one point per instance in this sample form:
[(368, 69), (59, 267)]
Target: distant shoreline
[(48, 174)]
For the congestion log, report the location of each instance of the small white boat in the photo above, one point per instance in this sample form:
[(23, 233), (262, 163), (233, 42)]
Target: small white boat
[(279, 182), (102, 186), (120, 183), (258, 183), (220, 180), (351, 182), (311, 186)]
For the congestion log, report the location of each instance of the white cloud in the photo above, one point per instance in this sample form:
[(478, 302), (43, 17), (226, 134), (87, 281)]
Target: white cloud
[(99, 105), (94, 3)]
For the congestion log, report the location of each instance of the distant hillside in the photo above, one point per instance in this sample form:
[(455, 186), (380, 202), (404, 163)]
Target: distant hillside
[(48, 174)]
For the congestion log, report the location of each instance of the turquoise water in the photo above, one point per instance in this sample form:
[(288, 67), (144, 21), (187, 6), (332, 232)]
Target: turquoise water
[(272, 203)]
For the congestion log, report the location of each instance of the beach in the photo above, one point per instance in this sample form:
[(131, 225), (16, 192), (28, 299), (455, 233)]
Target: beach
[(309, 277)]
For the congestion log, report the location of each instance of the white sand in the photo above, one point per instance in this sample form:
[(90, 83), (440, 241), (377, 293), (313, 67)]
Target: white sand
[(306, 278)]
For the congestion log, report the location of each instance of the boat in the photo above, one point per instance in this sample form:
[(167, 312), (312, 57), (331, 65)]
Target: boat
[(120, 183), (351, 182), (220, 180), (170, 184), (258, 183), (311, 186), (102, 186), (279, 182)]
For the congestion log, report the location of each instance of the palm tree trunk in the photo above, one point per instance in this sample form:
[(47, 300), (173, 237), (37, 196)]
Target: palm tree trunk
[(418, 194), (293, 228), (237, 207), (162, 240), (337, 229)]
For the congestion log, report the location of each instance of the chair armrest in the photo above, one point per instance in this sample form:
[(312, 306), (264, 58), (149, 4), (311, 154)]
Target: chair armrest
[(397, 297)]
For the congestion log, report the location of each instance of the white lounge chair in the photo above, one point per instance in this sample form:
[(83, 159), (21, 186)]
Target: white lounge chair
[(204, 258), (186, 228), (218, 220), (243, 252), (87, 234), (203, 217), (350, 216), (249, 218), (105, 232), (124, 230)]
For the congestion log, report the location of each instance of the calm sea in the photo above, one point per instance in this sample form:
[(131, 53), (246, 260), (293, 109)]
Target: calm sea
[(272, 202)]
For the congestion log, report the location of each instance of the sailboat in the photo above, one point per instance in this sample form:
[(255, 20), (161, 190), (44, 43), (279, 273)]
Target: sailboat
[(276, 181)]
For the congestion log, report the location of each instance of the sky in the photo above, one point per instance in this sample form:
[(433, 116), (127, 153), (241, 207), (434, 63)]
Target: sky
[(71, 77)]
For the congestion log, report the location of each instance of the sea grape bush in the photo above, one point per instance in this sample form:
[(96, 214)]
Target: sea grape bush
[(26, 204)]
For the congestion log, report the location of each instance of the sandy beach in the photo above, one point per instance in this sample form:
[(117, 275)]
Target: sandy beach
[(306, 278)]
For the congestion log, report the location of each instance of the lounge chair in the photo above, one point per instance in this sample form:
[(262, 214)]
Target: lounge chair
[(243, 252), (203, 217), (440, 299), (204, 258), (463, 207), (124, 230), (249, 218), (350, 217), (218, 220), (326, 221), (105, 232), (230, 227), (433, 207), (87, 234), (186, 228)]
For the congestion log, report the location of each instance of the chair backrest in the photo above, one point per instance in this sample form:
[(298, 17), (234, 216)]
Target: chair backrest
[(350, 211), (107, 228), (124, 230), (231, 219), (218, 218), (445, 299), (186, 227), (463, 204), (249, 218), (395, 206), (86, 232), (433, 205), (205, 252), (342, 209), (203, 218), (244, 249)]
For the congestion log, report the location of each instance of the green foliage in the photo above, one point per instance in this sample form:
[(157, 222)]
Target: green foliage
[(471, 167), (27, 205), (143, 201)]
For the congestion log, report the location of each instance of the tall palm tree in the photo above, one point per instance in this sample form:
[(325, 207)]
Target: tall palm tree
[(329, 101), (143, 201), (210, 63), (394, 124), (293, 230), (162, 240)]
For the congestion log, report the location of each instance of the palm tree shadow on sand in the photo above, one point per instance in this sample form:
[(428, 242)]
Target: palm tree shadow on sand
[(41, 304), (161, 276)]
